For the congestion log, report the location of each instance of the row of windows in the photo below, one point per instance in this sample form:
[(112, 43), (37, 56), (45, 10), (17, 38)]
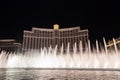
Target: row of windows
[(37, 42), (80, 36), (52, 33), (40, 31), (58, 35)]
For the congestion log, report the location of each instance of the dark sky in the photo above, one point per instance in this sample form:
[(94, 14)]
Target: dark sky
[(100, 18)]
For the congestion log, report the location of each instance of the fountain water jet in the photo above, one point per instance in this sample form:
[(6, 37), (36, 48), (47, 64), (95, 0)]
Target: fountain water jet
[(52, 58), (115, 46)]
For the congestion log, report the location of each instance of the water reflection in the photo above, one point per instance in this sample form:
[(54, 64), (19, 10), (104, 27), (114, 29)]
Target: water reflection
[(36, 74)]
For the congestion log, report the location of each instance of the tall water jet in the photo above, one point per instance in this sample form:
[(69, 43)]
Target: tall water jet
[(54, 58), (105, 46), (80, 47), (114, 42), (97, 47), (89, 47), (68, 49), (75, 49), (61, 49)]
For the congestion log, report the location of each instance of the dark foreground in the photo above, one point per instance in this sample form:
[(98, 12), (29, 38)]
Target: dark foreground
[(59, 74)]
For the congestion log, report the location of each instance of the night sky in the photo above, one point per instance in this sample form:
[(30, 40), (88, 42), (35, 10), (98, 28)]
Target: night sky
[(100, 18)]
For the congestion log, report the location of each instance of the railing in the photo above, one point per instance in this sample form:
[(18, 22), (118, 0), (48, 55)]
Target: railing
[(111, 43)]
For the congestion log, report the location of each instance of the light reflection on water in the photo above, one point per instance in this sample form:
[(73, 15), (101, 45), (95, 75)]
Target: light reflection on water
[(37, 74)]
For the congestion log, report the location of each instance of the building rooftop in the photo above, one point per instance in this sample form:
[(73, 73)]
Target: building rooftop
[(7, 40), (55, 27)]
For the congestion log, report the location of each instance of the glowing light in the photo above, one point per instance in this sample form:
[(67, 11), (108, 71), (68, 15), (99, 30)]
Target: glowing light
[(51, 58), (56, 26)]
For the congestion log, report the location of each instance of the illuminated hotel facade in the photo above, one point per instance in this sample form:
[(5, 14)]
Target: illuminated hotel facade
[(40, 37)]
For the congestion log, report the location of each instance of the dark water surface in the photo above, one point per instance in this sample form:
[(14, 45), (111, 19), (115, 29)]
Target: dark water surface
[(38, 74)]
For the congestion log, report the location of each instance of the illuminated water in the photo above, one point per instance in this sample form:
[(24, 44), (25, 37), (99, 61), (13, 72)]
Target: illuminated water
[(44, 60), (51, 58), (37, 74), (49, 64)]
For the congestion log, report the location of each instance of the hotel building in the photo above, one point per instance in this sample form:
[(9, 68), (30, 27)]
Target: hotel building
[(9, 45), (40, 37)]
